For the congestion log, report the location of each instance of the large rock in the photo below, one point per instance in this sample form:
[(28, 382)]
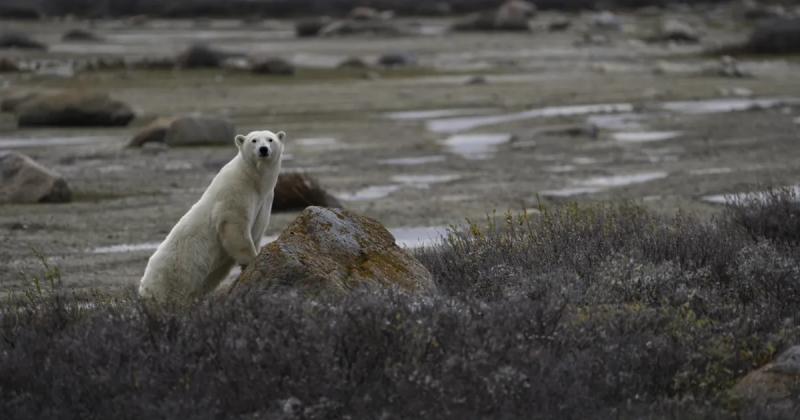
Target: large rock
[(335, 251), (202, 56), (360, 27), (773, 383), (190, 130), (24, 181), (274, 66), (21, 41), (155, 132), (81, 35), (200, 131), (779, 36), (73, 109), (677, 31), (11, 103), (8, 65), (513, 15), (297, 191), (311, 26)]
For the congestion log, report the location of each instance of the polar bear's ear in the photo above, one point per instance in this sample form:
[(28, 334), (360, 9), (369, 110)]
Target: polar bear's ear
[(239, 140), (280, 135)]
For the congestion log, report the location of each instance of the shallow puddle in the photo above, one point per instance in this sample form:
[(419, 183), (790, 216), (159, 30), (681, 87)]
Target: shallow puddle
[(317, 142), (437, 113), (716, 106), (412, 161), (623, 180), (475, 146), (645, 136), (19, 142), (373, 192), (603, 183), (455, 125), (417, 237), (710, 171), (762, 196), (124, 248), (424, 181), (617, 122)]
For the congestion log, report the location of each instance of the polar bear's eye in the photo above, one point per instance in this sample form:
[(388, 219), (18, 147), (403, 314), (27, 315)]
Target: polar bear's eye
[(270, 140), (254, 140)]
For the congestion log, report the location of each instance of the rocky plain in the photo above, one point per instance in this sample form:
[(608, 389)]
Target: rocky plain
[(417, 122)]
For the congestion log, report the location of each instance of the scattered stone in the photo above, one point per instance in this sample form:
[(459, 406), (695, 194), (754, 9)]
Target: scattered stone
[(296, 191), (196, 130), (778, 36), (434, 8), (559, 24), (20, 12), (155, 132), (365, 13), (513, 15), (81, 35), (21, 41), (727, 66), (156, 63), (137, 20), (237, 63), (202, 56), (606, 21), (8, 65), (397, 60), (276, 66), (353, 63), (736, 91), (11, 103), (476, 80), (311, 26), (756, 11), (594, 40), (360, 27), (673, 30), (773, 383), (73, 109), (336, 251), (24, 181)]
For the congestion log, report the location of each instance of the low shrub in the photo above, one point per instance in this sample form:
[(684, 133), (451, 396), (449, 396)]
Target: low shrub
[(590, 311)]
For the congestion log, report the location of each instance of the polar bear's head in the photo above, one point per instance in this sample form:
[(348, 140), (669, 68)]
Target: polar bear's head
[(261, 146)]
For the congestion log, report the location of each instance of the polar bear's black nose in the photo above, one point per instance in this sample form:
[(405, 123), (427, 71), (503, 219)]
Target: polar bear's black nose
[(263, 151)]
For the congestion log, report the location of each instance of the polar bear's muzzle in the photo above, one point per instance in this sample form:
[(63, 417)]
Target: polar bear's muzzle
[(263, 151)]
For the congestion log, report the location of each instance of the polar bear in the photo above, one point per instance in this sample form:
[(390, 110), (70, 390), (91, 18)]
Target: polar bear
[(223, 228)]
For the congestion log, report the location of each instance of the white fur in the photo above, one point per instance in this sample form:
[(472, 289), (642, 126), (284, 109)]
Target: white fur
[(222, 229)]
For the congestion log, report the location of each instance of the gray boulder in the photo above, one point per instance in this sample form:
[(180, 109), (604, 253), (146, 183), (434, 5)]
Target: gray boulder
[(678, 31), (778, 36), (336, 251), (274, 66), (24, 181), (297, 191), (775, 383), (202, 56), (190, 130), (73, 109), (21, 41), (199, 131), (512, 15), (81, 35)]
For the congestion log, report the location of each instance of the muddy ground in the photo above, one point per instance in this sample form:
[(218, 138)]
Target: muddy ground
[(520, 137)]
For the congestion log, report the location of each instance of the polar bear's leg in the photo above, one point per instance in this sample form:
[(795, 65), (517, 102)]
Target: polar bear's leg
[(237, 242), (217, 276)]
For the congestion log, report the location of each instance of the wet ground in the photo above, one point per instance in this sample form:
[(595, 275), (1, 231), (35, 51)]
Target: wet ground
[(484, 123)]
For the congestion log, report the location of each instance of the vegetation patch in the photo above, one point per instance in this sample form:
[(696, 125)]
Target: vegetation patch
[(592, 311)]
